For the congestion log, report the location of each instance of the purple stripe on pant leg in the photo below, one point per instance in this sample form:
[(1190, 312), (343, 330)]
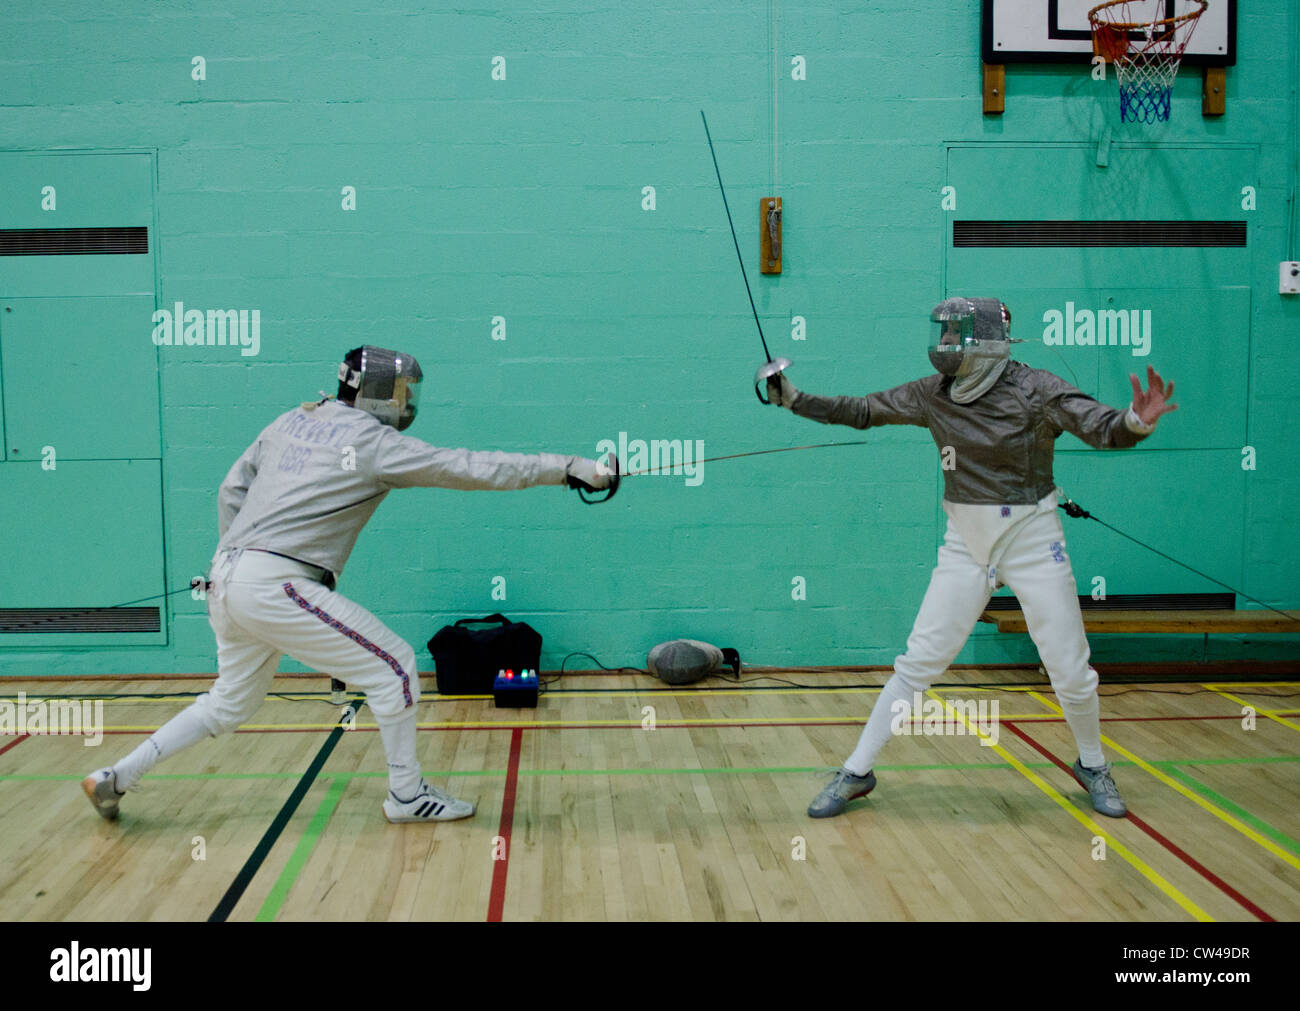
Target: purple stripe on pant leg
[(354, 635)]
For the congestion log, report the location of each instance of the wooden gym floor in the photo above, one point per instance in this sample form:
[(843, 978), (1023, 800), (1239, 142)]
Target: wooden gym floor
[(584, 813)]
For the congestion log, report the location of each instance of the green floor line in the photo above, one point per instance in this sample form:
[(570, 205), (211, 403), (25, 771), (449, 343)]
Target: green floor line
[(1260, 826), (310, 836), (1225, 761)]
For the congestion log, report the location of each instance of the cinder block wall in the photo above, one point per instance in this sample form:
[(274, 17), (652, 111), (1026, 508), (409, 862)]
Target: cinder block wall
[(526, 198)]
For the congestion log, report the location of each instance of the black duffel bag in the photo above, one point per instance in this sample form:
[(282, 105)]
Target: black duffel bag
[(466, 660)]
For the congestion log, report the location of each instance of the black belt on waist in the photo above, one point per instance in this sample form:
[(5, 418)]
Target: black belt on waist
[(327, 577)]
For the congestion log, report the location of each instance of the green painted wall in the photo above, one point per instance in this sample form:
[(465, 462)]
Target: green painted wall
[(523, 198)]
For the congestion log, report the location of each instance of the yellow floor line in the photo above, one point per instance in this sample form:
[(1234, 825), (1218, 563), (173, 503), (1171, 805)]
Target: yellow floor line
[(1111, 842), (506, 723), (1196, 798), (1254, 684), (289, 696), (1271, 714), (434, 697)]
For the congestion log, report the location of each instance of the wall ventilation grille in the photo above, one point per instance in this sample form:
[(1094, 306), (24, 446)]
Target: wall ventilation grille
[(73, 241), (80, 619), (986, 234)]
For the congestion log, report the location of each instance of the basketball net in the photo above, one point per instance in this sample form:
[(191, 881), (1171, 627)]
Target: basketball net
[(1146, 53)]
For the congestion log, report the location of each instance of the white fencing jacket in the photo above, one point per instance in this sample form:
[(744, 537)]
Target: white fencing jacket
[(317, 473)]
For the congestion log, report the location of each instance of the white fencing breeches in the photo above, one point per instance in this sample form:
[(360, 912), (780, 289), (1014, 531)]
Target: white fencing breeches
[(1037, 569), (262, 606)]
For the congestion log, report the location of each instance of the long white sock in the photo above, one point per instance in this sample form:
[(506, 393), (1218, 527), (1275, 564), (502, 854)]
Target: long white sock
[(1084, 719), (398, 734), (878, 730), (178, 733)]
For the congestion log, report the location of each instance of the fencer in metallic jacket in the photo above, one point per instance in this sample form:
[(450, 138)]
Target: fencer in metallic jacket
[(995, 422), (1003, 441)]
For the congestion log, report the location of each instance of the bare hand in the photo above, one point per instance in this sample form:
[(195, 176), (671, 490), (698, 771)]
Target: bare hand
[(1150, 405)]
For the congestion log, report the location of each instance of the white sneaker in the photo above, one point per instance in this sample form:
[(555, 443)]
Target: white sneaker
[(101, 787), (430, 804)]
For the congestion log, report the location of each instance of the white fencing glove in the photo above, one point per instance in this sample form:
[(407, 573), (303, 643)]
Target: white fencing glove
[(781, 391), (587, 474)]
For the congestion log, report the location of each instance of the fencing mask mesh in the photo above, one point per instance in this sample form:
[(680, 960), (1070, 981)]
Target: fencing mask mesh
[(970, 341), (382, 383), (681, 661)]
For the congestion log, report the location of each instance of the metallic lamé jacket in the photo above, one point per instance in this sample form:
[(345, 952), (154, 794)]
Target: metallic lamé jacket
[(1003, 441)]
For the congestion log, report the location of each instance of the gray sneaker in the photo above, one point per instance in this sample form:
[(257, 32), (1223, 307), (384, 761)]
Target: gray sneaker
[(101, 787), (1104, 793), (843, 788)]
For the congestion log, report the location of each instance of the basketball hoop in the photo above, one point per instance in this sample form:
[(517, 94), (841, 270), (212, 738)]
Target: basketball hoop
[(1146, 53)]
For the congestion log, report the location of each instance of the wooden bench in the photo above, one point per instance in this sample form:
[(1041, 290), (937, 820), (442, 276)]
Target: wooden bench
[(1255, 622)]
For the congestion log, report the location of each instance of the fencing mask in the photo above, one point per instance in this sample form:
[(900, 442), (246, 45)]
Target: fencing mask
[(382, 383), (970, 340), (682, 661)]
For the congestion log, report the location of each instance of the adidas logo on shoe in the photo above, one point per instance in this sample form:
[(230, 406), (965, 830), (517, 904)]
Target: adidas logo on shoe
[(430, 804)]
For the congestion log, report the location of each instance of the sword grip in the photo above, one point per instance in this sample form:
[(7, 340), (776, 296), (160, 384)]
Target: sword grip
[(610, 491)]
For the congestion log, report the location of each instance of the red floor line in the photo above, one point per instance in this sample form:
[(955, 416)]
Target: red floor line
[(14, 744), (497, 901), (1164, 841), (630, 725), (703, 724)]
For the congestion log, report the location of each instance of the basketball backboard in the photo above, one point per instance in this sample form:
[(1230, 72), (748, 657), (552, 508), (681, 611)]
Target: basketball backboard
[(1056, 31)]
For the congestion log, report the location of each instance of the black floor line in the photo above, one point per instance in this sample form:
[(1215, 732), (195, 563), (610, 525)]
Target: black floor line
[(254, 863)]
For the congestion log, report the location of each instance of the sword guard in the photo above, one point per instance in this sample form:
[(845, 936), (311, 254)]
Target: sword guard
[(614, 480), (765, 372), (1072, 508)]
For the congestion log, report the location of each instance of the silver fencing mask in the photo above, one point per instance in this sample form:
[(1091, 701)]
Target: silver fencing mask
[(970, 341), (383, 383), (682, 661)]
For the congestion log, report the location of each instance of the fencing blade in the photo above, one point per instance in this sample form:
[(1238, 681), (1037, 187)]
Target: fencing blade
[(781, 364), (755, 452)]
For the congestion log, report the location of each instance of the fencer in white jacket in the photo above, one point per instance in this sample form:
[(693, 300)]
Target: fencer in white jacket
[(289, 513), (997, 421)]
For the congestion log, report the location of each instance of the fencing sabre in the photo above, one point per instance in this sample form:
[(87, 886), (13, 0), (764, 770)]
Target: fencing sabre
[(754, 452), (772, 368)]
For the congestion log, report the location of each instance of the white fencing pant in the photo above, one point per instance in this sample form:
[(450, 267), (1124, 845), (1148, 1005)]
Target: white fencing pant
[(1037, 569), (262, 606)]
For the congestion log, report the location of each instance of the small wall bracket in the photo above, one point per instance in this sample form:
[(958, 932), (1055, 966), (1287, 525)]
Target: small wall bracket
[(769, 228), (995, 89)]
